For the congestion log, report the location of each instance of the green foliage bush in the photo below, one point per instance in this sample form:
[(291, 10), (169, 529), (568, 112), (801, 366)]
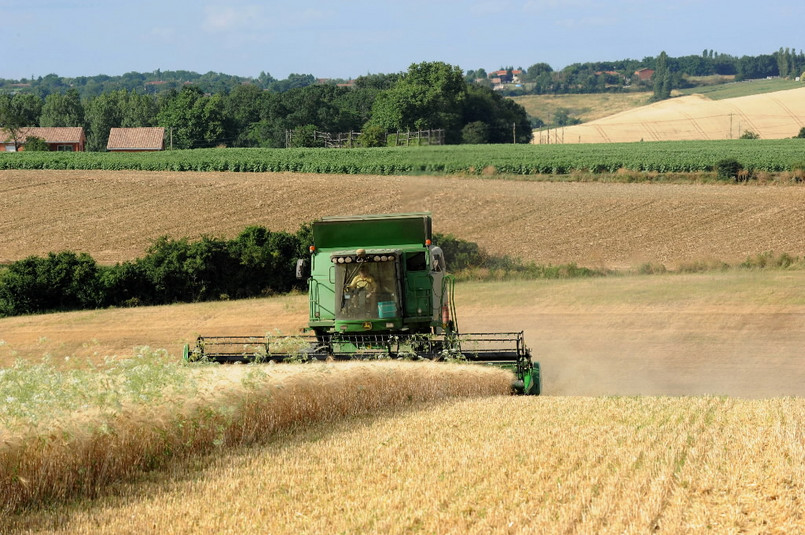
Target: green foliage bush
[(257, 262), (728, 168), (33, 143), (60, 281), (460, 254)]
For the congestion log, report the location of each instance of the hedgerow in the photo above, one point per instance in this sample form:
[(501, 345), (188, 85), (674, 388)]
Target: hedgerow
[(256, 262)]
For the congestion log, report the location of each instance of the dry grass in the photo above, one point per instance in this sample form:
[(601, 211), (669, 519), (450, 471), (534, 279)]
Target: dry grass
[(770, 115), (492, 465), (103, 443), (586, 107)]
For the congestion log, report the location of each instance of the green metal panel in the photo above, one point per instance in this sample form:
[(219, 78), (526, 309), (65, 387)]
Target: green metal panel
[(372, 231), (418, 292)]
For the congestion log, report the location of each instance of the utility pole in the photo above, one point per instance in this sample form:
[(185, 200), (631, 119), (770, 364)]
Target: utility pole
[(514, 133)]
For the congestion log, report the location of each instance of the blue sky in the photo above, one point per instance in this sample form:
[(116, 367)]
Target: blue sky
[(348, 38)]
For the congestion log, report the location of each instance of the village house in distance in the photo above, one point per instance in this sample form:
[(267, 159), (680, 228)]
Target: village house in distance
[(58, 138)]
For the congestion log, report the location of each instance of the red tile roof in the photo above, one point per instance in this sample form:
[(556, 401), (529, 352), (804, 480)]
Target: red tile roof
[(151, 138), (51, 134)]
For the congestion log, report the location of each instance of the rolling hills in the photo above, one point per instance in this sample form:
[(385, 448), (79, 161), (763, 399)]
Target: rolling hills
[(774, 115)]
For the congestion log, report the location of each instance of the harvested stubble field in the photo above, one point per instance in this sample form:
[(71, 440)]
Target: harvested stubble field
[(488, 465), (737, 333), (552, 464), (115, 215)]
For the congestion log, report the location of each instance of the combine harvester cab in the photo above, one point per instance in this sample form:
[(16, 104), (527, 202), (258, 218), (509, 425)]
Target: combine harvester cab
[(378, 288)]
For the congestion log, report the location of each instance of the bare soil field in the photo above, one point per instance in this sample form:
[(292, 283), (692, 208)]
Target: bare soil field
[(733, 333), (114, 216), (775, 115)]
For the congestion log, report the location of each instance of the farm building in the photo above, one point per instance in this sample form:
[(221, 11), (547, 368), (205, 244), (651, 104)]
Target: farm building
[(58, 138), (136, 139), (644, 75)]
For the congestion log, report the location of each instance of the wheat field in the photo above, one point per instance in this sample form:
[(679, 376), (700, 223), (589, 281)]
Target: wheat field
[(76, 447), (486, 465), (211, 460), (770, 115)]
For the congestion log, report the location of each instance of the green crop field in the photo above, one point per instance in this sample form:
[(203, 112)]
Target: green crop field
[(662, 157), (742, 89)]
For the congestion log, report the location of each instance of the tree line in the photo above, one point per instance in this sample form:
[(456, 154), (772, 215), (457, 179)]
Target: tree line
[(541, 77), (430, 95), (615, 76)]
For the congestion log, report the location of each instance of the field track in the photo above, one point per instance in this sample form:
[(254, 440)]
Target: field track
[(115, 215)]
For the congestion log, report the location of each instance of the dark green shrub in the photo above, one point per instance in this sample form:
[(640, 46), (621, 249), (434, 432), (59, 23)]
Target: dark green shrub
[(62, 281), (459, 254), (36, 144), (728, 169)]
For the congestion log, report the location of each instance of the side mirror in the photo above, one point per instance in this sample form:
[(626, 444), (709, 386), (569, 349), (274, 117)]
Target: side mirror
[(302, 268)]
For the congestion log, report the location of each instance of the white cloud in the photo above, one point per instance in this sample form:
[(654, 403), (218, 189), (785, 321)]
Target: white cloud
[(228, 17)]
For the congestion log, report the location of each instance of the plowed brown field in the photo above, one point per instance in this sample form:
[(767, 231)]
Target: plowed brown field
[(115, 215)]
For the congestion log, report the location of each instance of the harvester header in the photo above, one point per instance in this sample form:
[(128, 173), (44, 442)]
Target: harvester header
[(378, 287)]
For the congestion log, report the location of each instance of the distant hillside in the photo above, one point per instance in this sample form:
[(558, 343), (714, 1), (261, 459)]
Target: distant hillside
[(583, 107), (775, 115)]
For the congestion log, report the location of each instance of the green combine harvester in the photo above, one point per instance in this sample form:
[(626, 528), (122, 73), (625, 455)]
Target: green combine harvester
[(378, 288)]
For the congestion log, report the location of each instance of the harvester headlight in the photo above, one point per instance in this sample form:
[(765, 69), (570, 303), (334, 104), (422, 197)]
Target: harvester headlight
[(384, 258), (377, 258), (341, 260), (348, 260)]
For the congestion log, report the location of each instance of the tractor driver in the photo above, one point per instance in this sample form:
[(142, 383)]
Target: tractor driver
[(363, 281)]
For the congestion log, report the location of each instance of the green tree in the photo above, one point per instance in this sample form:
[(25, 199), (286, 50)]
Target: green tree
[(534, 71), (242, 109), (139, 110), (11, 122), (503, 117), (475, 133), (429, 95), (662, 78), (62, 109), (197, 120), (103, 113)]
